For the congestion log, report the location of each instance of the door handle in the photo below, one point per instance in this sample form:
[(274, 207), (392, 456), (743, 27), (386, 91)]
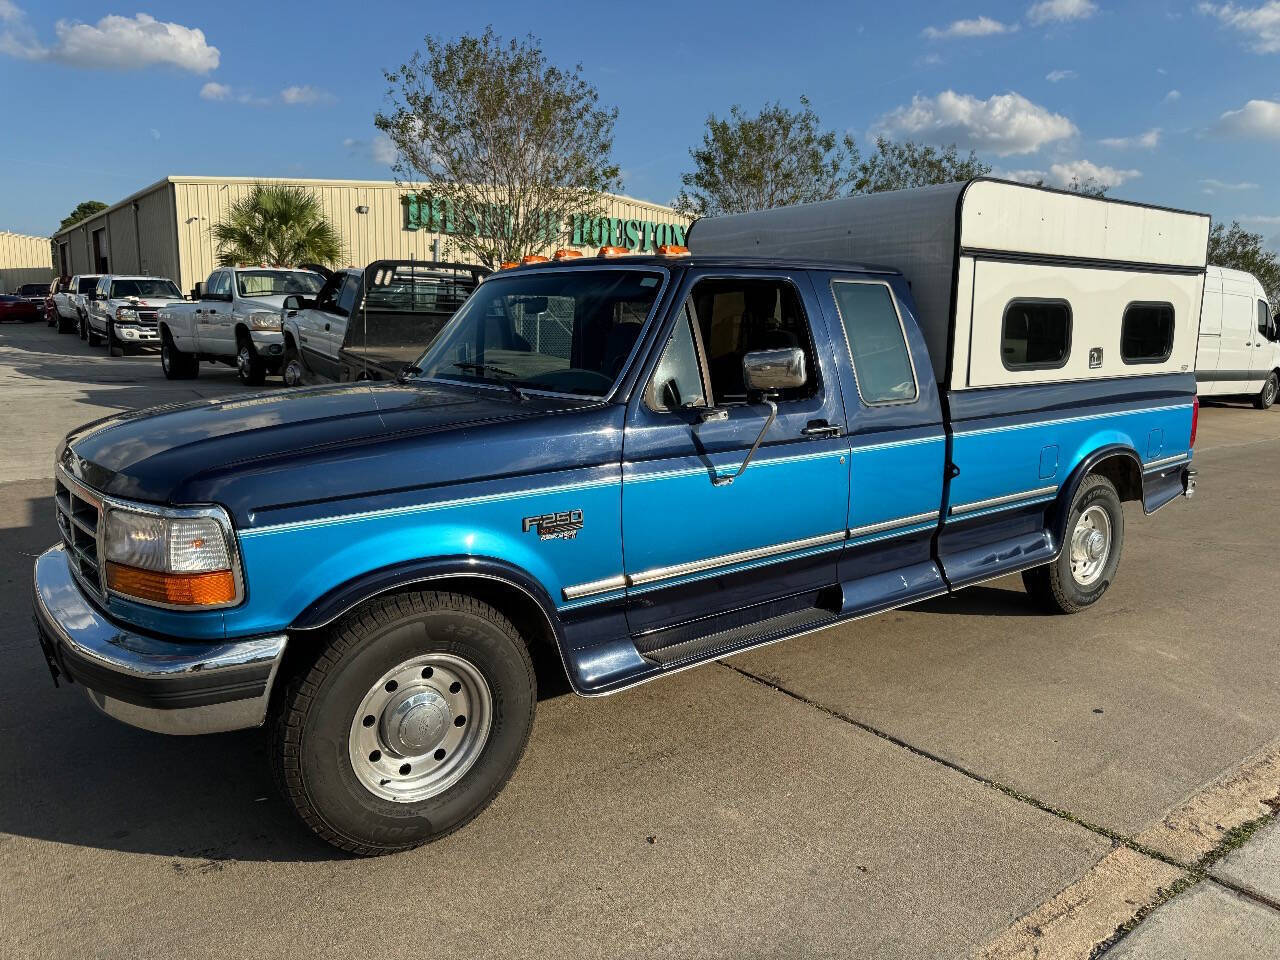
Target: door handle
[(820, 428)]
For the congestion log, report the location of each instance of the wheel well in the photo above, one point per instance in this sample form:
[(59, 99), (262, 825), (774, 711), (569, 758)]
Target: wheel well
[(288, 339), (1123, 472), (242, 335)]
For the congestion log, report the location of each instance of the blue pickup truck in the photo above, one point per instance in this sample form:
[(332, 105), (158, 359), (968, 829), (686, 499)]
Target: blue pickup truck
[(643, 462)]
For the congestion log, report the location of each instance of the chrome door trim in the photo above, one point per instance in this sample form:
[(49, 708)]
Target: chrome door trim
[(892, 524), (1008, 498)]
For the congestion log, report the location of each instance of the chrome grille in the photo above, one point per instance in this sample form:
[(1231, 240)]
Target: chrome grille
[(148, 316), (79, 516)]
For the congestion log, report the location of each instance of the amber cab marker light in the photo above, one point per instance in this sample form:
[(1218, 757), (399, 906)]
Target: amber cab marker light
[(508, 264), (176, 589), (672, 250), (567, 255), (533, 258), (612, 252)]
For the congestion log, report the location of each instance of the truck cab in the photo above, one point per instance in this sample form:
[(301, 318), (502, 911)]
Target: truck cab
[(369, 324), (643, 463), (233, 318)]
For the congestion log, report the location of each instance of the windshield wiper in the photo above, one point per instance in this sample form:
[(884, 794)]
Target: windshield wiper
[(504, 376)]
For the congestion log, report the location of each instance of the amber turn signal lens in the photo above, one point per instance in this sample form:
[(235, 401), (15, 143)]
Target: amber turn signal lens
[(533, 258), (567, 254), (179, 589), (508, 264), (672, 250), (613, 252)]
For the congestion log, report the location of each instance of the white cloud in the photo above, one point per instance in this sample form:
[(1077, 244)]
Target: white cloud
[(1063, 174), (380, 149), (114, 42), (306, 94), (1259, 218), (977, 27), (215, 91), (1056, 11), (1004, 124), (1211, 186), (1021, 176), (1259, 26), (155, 134), (1256, 120), (1057, 76), (1142, 141), (1173, 96)]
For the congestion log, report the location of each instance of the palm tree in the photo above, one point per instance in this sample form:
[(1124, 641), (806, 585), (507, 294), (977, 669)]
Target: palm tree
[(277, 225)]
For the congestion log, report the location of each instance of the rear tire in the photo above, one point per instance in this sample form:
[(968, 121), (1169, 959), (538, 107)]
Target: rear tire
[(399, 681), (1090, 555), (1267, 396), (176, 364), (292, 371), (82, 326), (64, 325)]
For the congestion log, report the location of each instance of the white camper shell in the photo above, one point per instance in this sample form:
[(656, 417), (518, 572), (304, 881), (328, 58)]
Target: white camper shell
[(1239, 354), (1013, 284)]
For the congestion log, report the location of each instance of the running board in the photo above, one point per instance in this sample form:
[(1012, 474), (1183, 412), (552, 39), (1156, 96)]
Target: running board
[(739, 638)]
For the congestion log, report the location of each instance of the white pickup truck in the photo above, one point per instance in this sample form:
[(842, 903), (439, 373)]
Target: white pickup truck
[(70, 302), (232, 318)]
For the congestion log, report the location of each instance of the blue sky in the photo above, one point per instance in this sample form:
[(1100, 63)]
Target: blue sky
[(1175, 103)]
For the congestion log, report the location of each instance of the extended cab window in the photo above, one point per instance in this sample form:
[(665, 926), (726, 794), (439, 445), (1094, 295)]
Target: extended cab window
[(567, 331), (877, 343), (1146, 334), (1036, 334)]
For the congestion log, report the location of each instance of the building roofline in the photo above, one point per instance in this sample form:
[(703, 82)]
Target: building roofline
[(300, 181)]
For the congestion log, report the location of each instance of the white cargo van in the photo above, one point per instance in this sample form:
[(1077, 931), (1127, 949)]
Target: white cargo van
[(1239, 352)]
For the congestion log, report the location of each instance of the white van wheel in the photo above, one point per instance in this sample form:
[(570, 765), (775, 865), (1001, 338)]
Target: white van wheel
[(1267, 397)]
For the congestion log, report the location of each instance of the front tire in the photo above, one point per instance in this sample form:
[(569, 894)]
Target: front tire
[(94, 338), (406, 724), (1090, 555), (1267, 396), (249, 366)]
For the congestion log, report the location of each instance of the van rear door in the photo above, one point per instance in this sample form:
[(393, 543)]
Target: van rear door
[(1208, 354)]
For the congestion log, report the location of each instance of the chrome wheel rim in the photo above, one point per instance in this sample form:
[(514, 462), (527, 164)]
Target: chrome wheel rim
[(421, 727), (244, 363), (1090, 545), (292, 374)]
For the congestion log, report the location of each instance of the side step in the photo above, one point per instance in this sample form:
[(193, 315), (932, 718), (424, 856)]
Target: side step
[(749, 635)]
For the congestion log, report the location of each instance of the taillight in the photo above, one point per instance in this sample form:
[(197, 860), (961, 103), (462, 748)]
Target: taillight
[(1195, 418)]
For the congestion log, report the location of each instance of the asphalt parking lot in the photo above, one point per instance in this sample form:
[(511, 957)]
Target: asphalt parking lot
[(904, 786)]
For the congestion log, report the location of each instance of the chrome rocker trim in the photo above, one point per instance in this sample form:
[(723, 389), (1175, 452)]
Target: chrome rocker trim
[(1009, 498), (159, 685)]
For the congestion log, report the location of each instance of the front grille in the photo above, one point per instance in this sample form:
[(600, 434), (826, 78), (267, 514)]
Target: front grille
[(79, 514), (148, 316)]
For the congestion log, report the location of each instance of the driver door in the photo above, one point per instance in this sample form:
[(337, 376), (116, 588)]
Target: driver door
[(701, 556)]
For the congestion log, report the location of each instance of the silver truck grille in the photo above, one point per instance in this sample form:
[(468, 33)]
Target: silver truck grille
[(148, 316), (79, 516)]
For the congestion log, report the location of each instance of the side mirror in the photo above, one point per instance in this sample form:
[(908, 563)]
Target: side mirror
[(769, 371), (198, 292), (295, 302)]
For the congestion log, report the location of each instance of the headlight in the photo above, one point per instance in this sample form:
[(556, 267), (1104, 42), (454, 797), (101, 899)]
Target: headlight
[(182, 558), (127, 314), (261, 320)]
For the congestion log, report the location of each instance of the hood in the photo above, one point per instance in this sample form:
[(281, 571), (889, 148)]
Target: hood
[(273, 303), (144, 301), (194, 452)]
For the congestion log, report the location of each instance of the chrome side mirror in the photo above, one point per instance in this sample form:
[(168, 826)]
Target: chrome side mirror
[(768, 371)]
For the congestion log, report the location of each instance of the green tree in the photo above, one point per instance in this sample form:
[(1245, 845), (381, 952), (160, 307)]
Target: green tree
[(82, 212), (1237, 248), (897, 166), (772, 159), (278, 225), (495, 138)]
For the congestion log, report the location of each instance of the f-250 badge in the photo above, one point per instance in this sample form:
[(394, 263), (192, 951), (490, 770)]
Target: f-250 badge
[(555, 526)]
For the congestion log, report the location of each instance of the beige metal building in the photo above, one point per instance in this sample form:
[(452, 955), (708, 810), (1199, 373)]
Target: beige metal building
[(23, 259), (164, 229)]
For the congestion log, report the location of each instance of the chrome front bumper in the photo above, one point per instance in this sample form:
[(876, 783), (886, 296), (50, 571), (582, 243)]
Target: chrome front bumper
[(161, 685), (133, 333)]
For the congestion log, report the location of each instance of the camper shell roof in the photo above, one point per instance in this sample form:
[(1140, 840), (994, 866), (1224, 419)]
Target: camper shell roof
[(927, 233)]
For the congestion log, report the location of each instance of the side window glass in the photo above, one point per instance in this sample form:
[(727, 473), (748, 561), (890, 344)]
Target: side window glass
[(1146, 333), (740, 316), (677, 381), (347, 299), (327, 298), (881, 361), (1266, 325), (1036, 334), (219, 285)]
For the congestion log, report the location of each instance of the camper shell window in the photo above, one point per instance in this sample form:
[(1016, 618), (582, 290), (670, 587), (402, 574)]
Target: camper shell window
[(1035, 334), (1146, 333)]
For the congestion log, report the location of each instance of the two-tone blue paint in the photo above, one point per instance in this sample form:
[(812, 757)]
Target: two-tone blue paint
[(340, 493)]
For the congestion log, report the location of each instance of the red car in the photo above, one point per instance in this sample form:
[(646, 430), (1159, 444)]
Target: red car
[(18, 309)]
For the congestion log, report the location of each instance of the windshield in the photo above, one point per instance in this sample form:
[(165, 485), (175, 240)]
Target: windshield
[(31, 289), (87, 284), (144, 288), (276, 283), (565, 331)]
